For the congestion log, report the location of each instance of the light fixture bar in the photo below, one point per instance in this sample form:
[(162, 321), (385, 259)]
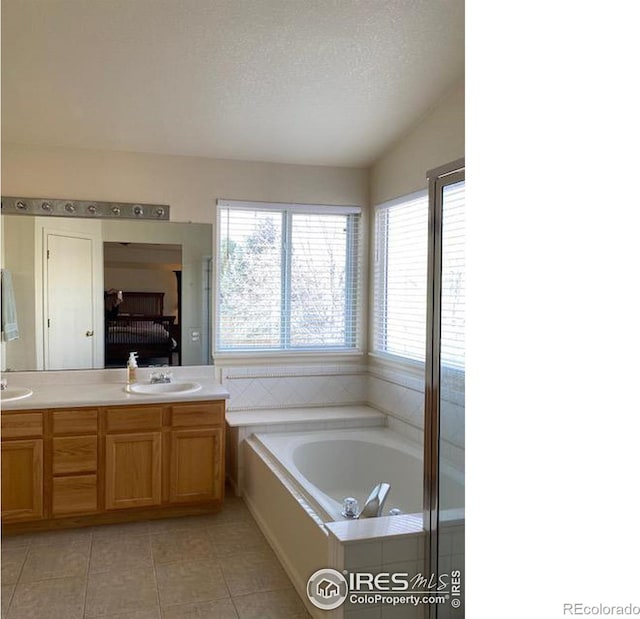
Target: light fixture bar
[(90, 209)]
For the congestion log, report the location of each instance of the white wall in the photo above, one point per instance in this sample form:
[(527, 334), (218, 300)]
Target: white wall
[(190, 185), (437, 139)]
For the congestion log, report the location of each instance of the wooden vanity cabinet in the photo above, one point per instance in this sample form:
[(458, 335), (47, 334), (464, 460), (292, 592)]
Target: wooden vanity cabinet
[(106, 464), (133, 457), (22, 453), (197, 438)]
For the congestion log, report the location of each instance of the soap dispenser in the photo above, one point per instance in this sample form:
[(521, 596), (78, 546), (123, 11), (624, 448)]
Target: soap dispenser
[(132, 367)]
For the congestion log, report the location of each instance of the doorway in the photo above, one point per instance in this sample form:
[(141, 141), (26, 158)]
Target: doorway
[(71, 335)]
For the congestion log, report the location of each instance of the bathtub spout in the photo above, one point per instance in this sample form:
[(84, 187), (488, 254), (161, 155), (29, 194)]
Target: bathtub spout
[(374, 504)]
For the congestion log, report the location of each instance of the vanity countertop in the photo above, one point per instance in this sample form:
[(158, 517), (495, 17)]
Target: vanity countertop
[(70, 389)]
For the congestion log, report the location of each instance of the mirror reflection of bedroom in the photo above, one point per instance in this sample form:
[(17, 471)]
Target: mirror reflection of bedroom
[(142, 300)]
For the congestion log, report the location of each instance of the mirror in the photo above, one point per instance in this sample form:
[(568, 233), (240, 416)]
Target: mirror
[(66, 274)]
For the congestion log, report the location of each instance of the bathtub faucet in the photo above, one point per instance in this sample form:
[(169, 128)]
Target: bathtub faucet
[(374, 504)]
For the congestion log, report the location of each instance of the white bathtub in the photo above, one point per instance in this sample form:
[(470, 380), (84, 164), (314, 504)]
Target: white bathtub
[(294, 484), (332, 465)]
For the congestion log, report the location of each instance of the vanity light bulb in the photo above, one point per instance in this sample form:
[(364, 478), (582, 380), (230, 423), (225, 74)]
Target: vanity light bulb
[(159, 212), (92, 209), (116, 210), (46, 207), (21, 206), (69, 207), (138, 211)]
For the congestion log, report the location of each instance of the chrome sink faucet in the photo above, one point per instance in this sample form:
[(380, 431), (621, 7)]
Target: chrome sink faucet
[(160, 377)]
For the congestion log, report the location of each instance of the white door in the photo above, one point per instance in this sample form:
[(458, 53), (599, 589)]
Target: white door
[(69, 303)]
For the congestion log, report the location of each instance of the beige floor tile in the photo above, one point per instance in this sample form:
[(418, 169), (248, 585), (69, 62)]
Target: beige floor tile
[(252, 572), (189, 582), (67, 536), (120, 553), (283, 604), (218, 609), (56, 561), (236, 537), (5, 597), (112, 593), (150, 613), (12, 560), (46, 599), (182, 545), (165, 525), (232, 510), (15, 541), (126, 529)]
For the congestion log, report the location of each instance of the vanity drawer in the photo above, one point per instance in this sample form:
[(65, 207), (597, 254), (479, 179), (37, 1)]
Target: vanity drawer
[(75, 495), (75, 454), (126, 418), (19, 425), (197, 414), (83, 421)]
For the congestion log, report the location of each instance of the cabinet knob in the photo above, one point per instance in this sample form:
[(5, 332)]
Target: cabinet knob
[(89, 333)]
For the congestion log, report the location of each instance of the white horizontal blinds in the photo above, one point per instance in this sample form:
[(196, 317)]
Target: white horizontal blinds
[(249, 279), (452, 326), (323, 283), (288, 277), (401, 277)]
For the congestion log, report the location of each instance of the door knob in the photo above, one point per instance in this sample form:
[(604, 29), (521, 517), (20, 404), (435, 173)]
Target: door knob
[(89, 333)]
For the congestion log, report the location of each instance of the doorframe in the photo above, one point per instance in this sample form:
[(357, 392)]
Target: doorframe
[(97, 284)]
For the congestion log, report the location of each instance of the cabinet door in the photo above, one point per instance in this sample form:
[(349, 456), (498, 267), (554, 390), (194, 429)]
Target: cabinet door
[(196, 465), (22, 480), (133, 470)]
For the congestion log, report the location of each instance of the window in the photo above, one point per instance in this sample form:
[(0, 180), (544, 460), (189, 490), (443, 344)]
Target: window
[(288, 277), (400, 277), (452, 309)]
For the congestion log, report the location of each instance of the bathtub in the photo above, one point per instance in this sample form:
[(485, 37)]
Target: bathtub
[(332, 465), (295, 482)]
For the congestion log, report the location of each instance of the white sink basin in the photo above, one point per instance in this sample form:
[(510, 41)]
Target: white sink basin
[(10, 394), (160, 388)]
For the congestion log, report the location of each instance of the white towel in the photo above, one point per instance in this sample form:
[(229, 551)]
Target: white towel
[(9, 317)]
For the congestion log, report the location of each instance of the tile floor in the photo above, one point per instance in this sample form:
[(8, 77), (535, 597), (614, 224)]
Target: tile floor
[(217, 566)]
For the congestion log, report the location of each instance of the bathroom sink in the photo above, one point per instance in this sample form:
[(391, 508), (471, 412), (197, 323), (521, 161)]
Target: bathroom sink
[(10, 394), (160, 388)]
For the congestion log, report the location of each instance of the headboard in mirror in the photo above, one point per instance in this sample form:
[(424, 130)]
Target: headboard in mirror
[(66, 272), (135, 322)]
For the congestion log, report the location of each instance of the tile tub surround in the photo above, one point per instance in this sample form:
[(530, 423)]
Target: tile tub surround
[(290, 386), (218, 565), (387, 544), (62, 389)]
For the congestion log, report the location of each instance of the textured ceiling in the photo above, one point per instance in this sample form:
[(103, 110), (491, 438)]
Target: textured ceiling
[(328, 82)]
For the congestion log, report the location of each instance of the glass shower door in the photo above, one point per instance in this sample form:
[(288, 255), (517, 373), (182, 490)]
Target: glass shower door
[(445, 388)]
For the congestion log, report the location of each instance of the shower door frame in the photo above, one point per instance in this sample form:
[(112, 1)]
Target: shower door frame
[(437, 179)]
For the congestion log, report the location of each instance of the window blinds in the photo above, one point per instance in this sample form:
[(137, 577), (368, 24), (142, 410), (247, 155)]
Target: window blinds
[(400, 277), (452, 321), (288, 277)]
